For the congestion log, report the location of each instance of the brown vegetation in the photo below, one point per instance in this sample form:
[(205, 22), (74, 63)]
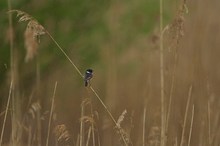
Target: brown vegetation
[(163, 90)]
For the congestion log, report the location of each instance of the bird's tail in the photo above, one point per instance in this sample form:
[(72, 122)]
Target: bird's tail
[(86, 83)]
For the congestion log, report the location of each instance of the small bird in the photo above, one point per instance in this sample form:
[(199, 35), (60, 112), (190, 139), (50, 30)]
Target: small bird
[(88, 76)]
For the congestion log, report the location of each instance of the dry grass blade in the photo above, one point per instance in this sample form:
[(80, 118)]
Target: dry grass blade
[(163, 114), (51, 113), (185, 117), (6, 113), (209, 124), (82, 126), (144, 121), (89, 135), (191, 125), (93, 134)]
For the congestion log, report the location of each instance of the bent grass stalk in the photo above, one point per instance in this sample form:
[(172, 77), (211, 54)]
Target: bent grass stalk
[(40, 30)]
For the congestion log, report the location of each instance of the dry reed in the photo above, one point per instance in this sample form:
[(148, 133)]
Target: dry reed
[(61, 133), (163, 113), (39, 30), (6, 113), (51, 113), (191, 126), (82, 126), (185, 117), (209, 124), (144, 124), (176, 32)]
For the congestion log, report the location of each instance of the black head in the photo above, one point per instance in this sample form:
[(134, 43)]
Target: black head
[(89, 70)]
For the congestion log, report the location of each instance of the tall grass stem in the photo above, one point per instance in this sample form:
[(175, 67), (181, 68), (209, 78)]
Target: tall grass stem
[(51, 113), (163, 114), (82, 127), (191, 125), (185, 117), (144, 124), (209, 124), (109, 113), (173, 81), (6, 113)]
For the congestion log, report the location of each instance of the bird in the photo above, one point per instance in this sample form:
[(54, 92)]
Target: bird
[(88, 76)]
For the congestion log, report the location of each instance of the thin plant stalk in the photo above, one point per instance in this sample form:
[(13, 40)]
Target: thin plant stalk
[(99, 143), (163, 114), (176, 142), (92, 125), (93, 135), (109, 113), (191, 125), (185, 117), (209, 123), (51, 113), (173, 81), (38, 127), (82, 125), (6, 113), (11, 41), (29, 135), (89, 134), (12, 68), (144, 121)]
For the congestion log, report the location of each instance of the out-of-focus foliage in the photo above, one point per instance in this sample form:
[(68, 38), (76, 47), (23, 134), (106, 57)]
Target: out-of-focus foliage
[(80, 27)]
